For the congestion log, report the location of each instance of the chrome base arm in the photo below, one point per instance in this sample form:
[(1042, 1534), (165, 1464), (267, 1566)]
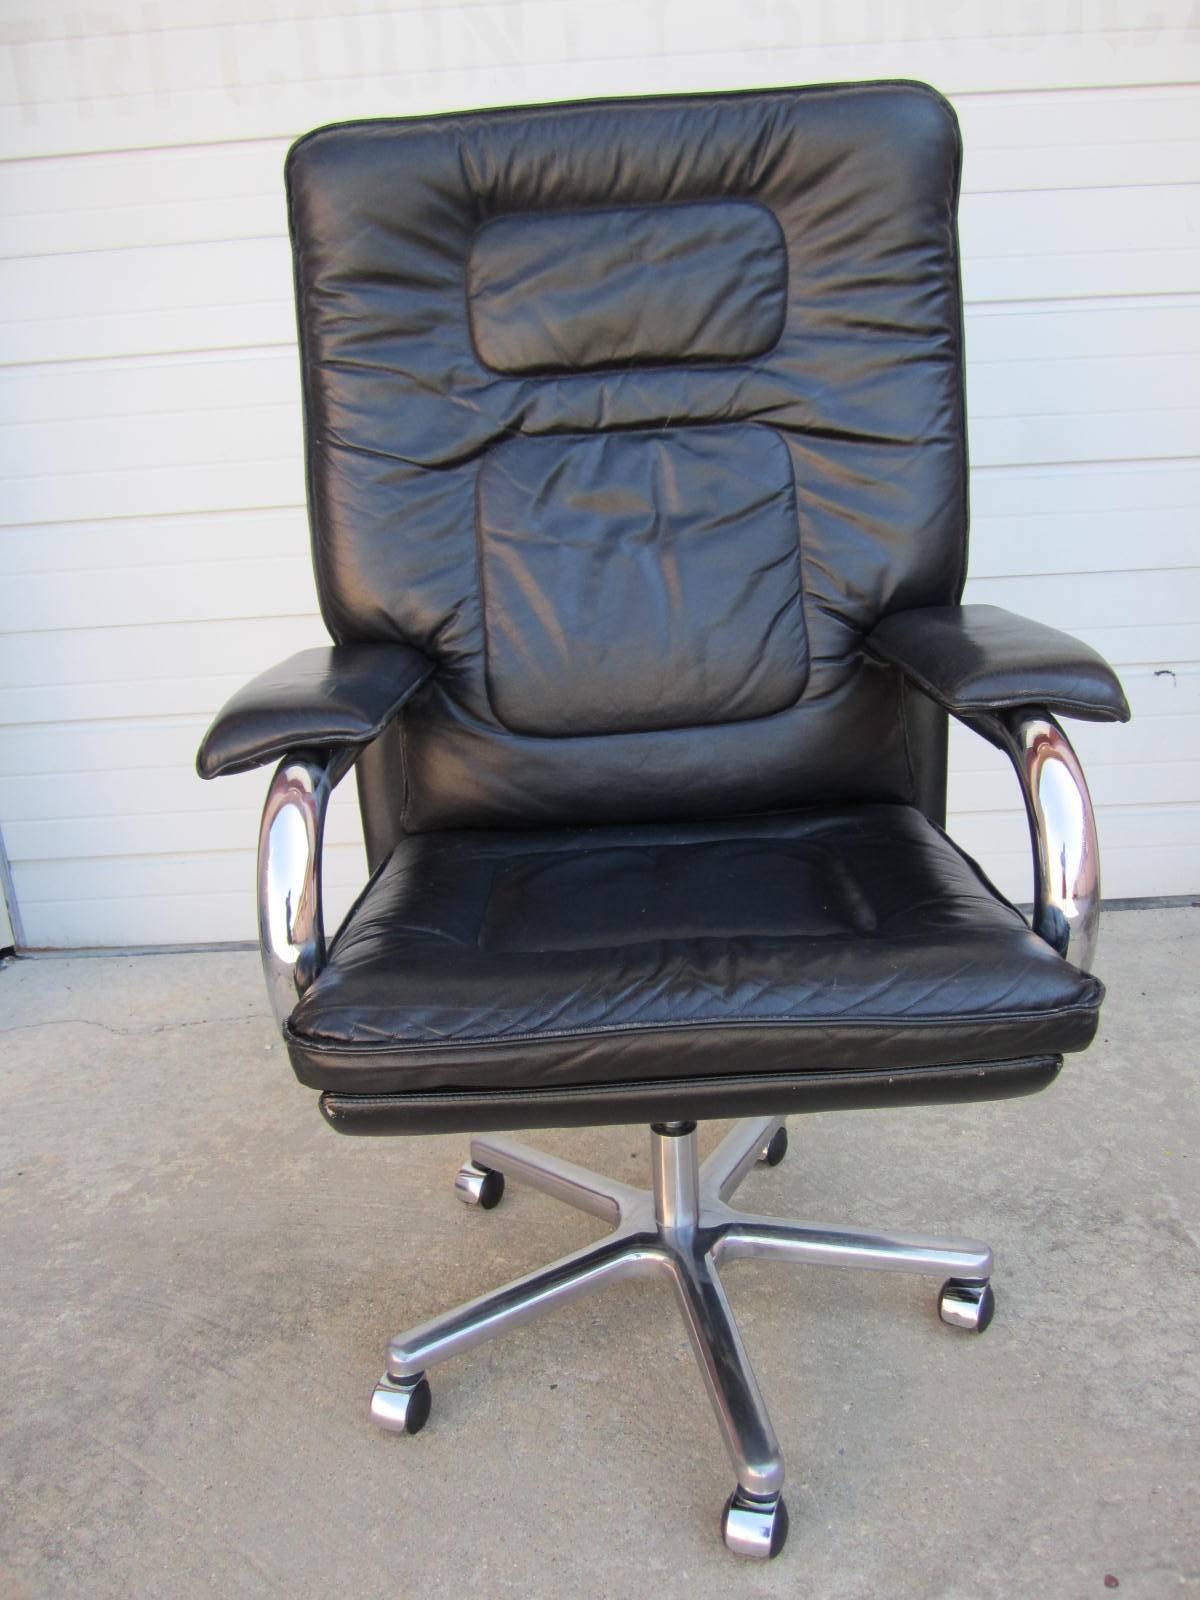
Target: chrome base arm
[(291, 930), (1062, 829), (681, 1231)]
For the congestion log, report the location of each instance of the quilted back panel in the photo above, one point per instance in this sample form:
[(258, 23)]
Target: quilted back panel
[(635, 416)]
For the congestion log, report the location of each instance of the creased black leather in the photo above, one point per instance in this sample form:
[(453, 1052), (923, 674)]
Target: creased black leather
[(975, 659), (567, 291), (323, 699), (847, 424), (855, 939), (636, 419), (640, 581), (745, 1094)]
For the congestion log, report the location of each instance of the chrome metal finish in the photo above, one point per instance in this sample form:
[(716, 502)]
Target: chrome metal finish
[(736, 1155), (475, 1186), (290, 924), (401, 1407), (819, 1245), (613, 1260), (680, 1230), (562, 1180), (728, 1376), (675, 1175), (755, 1528), (1062, 827), (967, 1305)]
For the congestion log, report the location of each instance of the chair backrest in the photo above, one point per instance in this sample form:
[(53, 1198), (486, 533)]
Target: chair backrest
[(636, 416)]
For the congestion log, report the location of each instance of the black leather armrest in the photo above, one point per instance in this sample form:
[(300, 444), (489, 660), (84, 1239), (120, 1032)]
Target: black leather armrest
[(338, 696), (978, 659)]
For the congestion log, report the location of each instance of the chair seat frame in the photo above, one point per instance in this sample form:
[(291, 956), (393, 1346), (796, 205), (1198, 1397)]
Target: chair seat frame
[(683, 1228)]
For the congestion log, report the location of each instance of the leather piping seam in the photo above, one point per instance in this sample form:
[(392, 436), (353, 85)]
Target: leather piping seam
[(317, 740), (405, 785), (902, 709), (664, 102), (671, 727), (331, 941), (633, 1088), (685, 364), (800, 1025), (971, 708), (980, 874)]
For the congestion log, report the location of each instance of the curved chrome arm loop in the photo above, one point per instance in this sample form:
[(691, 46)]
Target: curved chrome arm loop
[(290, 927), (1062, 826)]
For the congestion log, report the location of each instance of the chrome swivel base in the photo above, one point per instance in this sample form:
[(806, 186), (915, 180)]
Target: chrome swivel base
[(681, 1230)]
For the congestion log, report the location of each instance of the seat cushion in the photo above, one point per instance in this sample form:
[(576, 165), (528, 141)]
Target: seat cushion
[(825, 941)]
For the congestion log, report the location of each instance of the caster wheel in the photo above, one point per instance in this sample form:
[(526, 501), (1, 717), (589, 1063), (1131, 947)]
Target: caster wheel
[(963, 1304), (401, 1407), (773, 1152), (479, 1186), (756, 1528)]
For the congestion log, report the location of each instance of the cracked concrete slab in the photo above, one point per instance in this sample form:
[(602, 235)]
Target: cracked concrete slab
[(199, 1279)]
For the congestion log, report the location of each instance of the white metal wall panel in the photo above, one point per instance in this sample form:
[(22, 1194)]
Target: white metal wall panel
[(6, 932), (152, 531)]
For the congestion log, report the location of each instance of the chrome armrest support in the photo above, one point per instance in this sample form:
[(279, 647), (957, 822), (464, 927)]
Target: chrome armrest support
[(291, 929), (1062, 827)]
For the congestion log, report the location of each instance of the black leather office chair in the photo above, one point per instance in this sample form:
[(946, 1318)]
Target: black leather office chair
[(638, 488)]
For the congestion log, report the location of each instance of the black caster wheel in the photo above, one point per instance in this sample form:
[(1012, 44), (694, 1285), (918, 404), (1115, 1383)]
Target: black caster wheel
[(966, 1304), (479, 1186), (773, 1152), (401, 1405), (757, 1528)]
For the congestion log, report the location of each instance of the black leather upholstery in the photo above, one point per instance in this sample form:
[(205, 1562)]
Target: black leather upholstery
[(322, 699), (823, 942), (576, 291), (635, 417), (742, 1094), (637, 479), (976, 659)]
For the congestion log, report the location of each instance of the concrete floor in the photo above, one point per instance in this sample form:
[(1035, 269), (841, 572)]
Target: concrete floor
[(199, 1279)]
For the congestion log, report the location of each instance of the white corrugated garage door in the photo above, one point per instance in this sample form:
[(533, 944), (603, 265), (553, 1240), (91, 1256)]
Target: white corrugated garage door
[(153, 540)]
